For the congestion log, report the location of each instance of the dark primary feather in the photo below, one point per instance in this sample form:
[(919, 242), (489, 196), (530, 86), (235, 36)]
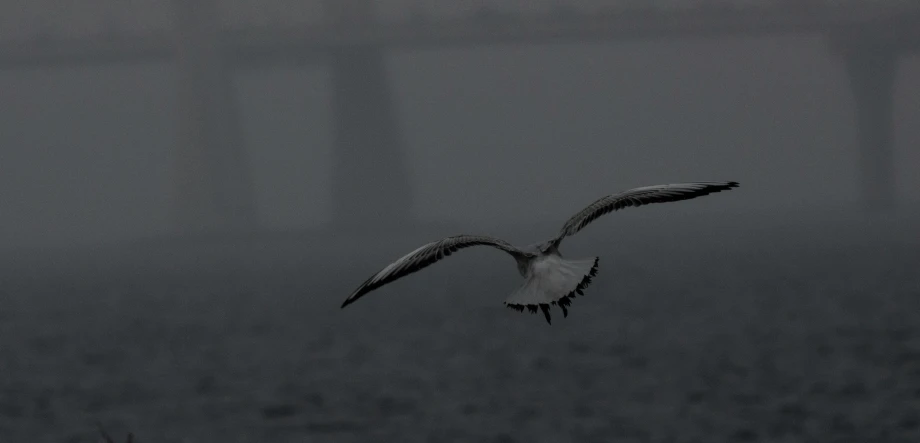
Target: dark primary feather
[(640, 196), (425, 256)]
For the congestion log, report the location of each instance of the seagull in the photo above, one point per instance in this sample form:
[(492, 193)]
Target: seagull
[(549, 279)]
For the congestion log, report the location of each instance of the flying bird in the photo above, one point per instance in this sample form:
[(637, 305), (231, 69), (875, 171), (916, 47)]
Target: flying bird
[(549, 279)]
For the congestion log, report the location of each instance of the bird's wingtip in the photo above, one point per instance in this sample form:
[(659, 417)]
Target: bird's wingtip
[(351, 299)]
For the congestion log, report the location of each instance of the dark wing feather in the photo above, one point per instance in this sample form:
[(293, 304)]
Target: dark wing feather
[(640, 196), (425, 256)]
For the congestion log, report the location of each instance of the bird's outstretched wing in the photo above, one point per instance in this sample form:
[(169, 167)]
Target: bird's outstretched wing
[(637, 197), (424, 257)]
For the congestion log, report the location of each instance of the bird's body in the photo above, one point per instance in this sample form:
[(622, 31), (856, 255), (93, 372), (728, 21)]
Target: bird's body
[(549, 279)]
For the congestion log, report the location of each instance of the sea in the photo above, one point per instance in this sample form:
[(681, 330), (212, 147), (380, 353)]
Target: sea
[(766, 328)]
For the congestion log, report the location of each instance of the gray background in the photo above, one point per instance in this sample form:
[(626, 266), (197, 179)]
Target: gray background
[(778, 311)]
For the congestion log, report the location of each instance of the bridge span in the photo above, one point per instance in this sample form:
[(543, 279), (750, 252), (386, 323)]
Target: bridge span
[(212, 185)]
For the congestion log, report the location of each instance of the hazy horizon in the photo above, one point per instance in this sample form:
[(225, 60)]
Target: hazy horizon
[(498, 133)]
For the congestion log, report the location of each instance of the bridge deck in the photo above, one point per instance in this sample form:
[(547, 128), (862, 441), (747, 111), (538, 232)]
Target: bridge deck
[(295, 44)]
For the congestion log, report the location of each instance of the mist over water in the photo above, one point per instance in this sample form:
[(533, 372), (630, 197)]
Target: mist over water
[(691, 334), (782, 310), (492, 135)]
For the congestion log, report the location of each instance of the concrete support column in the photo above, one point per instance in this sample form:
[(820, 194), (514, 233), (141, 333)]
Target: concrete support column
[(872, 70), (213, 190), (371, 183)]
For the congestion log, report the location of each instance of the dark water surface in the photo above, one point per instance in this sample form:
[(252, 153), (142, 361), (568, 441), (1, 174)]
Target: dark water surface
[(779, 334)]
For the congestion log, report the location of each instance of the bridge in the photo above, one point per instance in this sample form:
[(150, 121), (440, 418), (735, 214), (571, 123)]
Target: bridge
[(212, 187)]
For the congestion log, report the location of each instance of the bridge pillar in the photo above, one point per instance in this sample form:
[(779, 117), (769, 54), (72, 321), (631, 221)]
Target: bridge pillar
[(212, 186), (872, 68), (371, 183)]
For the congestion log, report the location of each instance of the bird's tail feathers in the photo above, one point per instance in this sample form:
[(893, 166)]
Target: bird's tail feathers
[(553, 281)]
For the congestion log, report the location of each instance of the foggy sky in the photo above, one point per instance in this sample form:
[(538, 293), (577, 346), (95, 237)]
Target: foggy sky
[(498, 134), (147, 15)]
